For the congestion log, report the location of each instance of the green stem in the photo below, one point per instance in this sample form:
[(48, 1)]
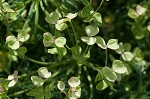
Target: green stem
[(106, 57), (36, 17), (39, 62), (97, 8), (90, 82), (18, 93), (29, 15), (43, 8), (91, 2), (74, 33)]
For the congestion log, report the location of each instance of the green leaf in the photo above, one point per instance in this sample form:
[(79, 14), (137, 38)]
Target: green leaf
[(21, 52), (71, 15), (12, 42), (61, 85), (77, 93), (60, 41), (47, 39), (113, 44), (7, 8), (43, 72), (109, 74), (53, 51), (74, 82), (132, 14), (89, 40), (100, 42), (91, 31), (118, 67), (102, 85), (37, 93), (48, 90), (52, 18), (37, 81), (85, 2), (83, 58), (61, 26), (127, 56), (98, 77), (76, 51), (140, 10), (23, 36), (86, 11), (61, 52), (97, 17)]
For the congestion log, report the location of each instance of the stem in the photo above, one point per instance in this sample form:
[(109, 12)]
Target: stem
[(74, 32), (106, 57), (97, 8), (18, 93), (90, 82), (91, 2), (43, 9), (39, 62), (36, 17), (29, 15)]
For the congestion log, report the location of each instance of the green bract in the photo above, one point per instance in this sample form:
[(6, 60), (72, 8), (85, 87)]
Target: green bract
[(97, 17), (43, 72), (60, 41), (127, 56), (37, 81), (109, 74), (86, 11), (23, 36), (102, 85), (61, 26), (113, 44), (118, 67), (52, 18), (74, 82), (61, 85), (132, 13), (89, 40), (21, 51), (53, 51), (91, 31), (100, 42), (47, 39), (76, 51), (12, 42)]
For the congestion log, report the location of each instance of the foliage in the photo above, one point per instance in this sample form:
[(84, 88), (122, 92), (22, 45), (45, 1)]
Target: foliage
[(74, 49)]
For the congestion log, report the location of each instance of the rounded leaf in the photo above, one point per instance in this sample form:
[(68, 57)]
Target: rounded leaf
[(109, 74), (113, 44), (12, 83), (71, 15), (43, 72), (60, 41), (77, 93), (91, 31), (101, 85), (61, 26), (140, 10), (37, 81), (74, 82), (47, 39), (23, 36), (127, 56), (97, 17), (52, 51), (12, 42), (61, 85), (100, 42), (118, 67), (132, 14), (52, 18), (89, 40)]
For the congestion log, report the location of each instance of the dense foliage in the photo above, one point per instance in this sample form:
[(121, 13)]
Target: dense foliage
[(74, 49)]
